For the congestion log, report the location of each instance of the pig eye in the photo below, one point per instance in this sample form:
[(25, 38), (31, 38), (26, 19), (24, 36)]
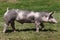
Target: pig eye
[(46, 16)]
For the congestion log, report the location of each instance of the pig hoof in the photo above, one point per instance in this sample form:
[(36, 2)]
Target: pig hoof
[(4, 32), (42, 28), (14, 30), (37, 31)]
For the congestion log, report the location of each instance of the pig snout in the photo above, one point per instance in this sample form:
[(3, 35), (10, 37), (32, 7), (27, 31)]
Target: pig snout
[(53, 21)]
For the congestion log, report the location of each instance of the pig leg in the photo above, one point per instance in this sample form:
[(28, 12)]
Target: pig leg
[(37, 26), (42, 26), (13, 26), (5, 27)]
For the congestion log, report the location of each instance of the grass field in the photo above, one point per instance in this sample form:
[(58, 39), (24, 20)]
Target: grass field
[(27, 31)]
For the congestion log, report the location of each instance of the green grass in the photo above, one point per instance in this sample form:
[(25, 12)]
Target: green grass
[(26, 31), (35, 5)]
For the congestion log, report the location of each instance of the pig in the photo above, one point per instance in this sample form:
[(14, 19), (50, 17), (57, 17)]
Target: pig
[(24, 16)]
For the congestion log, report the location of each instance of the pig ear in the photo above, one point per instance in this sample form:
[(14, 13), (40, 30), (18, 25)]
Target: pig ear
[(51, 13)]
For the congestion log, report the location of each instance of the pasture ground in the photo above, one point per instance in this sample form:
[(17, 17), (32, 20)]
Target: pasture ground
[(27, 30)]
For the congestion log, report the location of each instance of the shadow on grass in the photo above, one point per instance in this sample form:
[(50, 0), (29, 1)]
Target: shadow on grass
[(31, 29)]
